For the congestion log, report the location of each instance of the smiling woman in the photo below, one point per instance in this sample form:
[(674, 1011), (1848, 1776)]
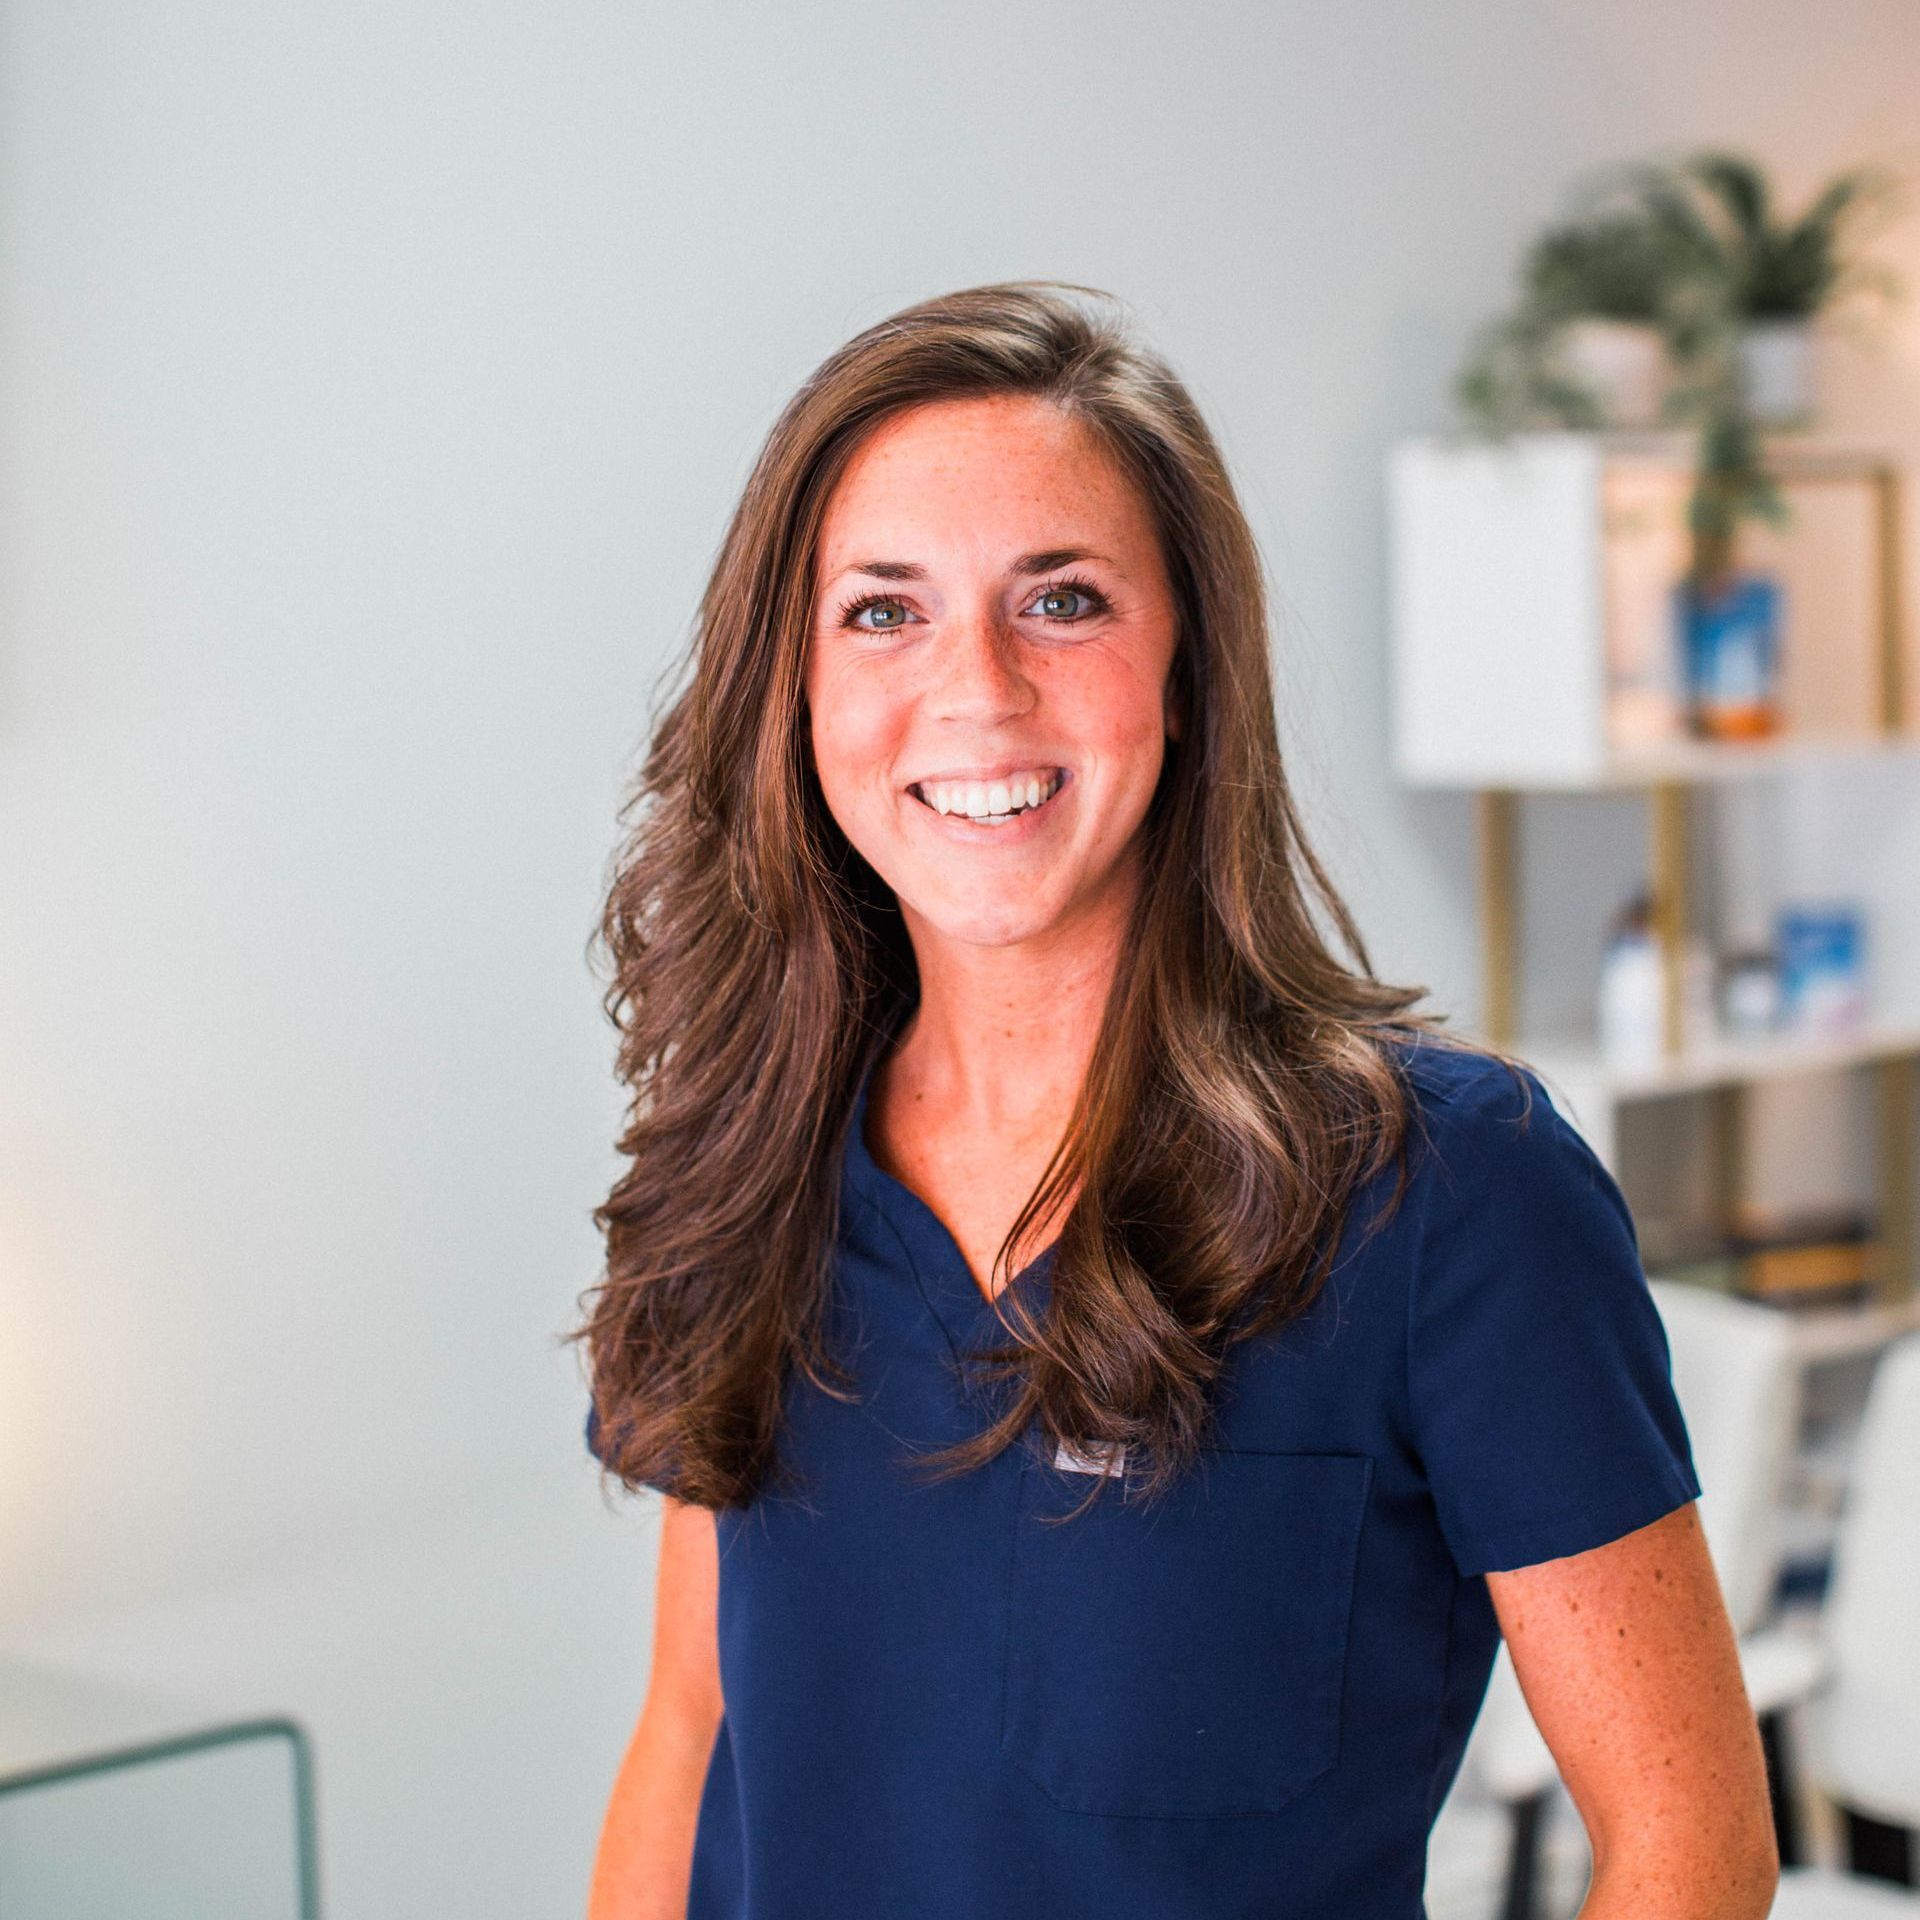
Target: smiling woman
[(1115, 1366)]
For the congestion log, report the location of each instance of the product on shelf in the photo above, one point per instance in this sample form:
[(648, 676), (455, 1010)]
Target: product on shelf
[(1813, 1256)]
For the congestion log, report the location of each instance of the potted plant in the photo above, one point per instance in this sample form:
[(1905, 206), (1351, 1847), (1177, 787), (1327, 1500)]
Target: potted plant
[(1766, 280), (1606, 282), (1586, 344), (1754, 287)]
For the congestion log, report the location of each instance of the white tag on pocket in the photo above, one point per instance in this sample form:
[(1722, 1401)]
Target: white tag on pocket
[(1109, 1460)]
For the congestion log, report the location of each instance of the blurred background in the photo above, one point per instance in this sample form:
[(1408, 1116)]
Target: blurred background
[(376, 384)]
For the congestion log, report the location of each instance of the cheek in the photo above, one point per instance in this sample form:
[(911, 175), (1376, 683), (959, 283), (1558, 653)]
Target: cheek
[(1121, 714), (853, 728)]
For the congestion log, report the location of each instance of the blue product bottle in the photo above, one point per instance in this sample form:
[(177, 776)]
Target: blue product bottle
[(1730, 646)]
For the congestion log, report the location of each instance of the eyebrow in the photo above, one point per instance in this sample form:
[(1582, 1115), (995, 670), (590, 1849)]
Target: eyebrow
[(1046, 560)]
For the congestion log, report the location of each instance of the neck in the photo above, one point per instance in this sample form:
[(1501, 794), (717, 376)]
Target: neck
[(1002, 1036)]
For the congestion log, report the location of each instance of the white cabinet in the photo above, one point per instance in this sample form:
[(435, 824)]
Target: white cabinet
[(1532, 581)]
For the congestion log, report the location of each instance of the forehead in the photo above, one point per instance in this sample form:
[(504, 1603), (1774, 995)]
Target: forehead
[(1007, 472)]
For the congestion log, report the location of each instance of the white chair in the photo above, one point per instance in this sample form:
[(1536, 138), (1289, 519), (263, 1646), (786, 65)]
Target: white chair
[(1739, 1383), (1489, 1850), (1864, 1717), (1737, 1380)]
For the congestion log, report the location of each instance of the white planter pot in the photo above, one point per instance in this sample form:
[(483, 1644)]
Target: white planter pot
[(1623, 364), (1776, 371)]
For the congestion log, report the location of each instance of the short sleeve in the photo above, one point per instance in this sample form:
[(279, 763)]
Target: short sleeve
[(1538, 1372)]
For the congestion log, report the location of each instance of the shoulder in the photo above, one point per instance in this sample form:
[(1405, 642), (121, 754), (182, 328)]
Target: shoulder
[(1481, 1121), (1464, 1094)]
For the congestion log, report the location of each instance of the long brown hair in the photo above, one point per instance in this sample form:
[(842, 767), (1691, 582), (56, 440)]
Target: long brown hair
[(1244, 1083)]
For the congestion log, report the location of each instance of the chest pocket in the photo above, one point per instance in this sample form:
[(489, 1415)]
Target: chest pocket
[(1189, 1657)]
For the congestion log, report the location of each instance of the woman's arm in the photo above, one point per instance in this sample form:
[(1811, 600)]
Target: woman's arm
[(1629, 1663), (645, 1857)]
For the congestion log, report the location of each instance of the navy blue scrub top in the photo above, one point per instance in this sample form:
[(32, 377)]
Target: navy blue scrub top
[(1250, 1701)]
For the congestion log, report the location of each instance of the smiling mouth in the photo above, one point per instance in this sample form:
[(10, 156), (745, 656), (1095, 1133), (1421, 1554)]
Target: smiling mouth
[(990, 803)]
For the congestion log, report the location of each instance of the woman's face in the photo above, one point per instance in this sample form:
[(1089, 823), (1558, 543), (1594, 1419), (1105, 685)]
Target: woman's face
[(993, 625)]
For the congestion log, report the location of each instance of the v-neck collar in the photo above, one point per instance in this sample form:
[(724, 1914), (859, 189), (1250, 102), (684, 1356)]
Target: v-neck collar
[(955, 1296)]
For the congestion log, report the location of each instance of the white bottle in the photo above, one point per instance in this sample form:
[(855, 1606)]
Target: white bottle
[(1631, 989)]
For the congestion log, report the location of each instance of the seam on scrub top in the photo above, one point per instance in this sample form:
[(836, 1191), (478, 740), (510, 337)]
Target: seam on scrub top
[(1431, 1173), (1484, 1180), (913, 1267), (899, 1439)]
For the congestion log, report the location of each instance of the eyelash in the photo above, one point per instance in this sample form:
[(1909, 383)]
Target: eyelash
[(850, 610)]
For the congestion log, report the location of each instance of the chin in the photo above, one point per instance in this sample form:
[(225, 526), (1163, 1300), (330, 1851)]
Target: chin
[(1004, 924)]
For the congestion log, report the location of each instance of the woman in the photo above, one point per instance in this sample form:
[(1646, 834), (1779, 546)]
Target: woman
[(1115, 1368)]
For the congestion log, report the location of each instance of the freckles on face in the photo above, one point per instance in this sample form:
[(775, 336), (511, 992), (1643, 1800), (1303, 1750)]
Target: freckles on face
[(992, 627)]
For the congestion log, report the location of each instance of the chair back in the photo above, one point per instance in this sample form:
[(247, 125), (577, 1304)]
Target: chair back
[(1866, 1726), (1737, 1379)]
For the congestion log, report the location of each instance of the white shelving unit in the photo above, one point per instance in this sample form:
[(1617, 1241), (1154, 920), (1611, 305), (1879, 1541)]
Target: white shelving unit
[(1598, 1092), (1532, 653)]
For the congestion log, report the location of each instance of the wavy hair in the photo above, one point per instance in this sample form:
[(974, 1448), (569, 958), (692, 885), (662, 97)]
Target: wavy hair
[(1245, 1081)]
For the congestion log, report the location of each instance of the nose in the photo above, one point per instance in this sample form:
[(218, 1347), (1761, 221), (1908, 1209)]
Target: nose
[(981, 678)]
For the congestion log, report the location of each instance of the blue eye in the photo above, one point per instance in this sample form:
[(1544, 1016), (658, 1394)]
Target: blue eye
[(1058, 590), (1056, 594), (873, 603)]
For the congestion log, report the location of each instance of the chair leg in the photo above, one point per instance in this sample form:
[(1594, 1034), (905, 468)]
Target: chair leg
[(1879, 1851), (1522, 1898), (1786, 1814)]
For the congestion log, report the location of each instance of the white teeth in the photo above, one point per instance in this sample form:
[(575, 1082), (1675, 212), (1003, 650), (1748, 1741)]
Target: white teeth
[(993, 801)]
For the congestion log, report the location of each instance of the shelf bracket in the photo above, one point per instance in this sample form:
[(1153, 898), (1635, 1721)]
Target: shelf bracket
[(1892, 664), (1497, 816)]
